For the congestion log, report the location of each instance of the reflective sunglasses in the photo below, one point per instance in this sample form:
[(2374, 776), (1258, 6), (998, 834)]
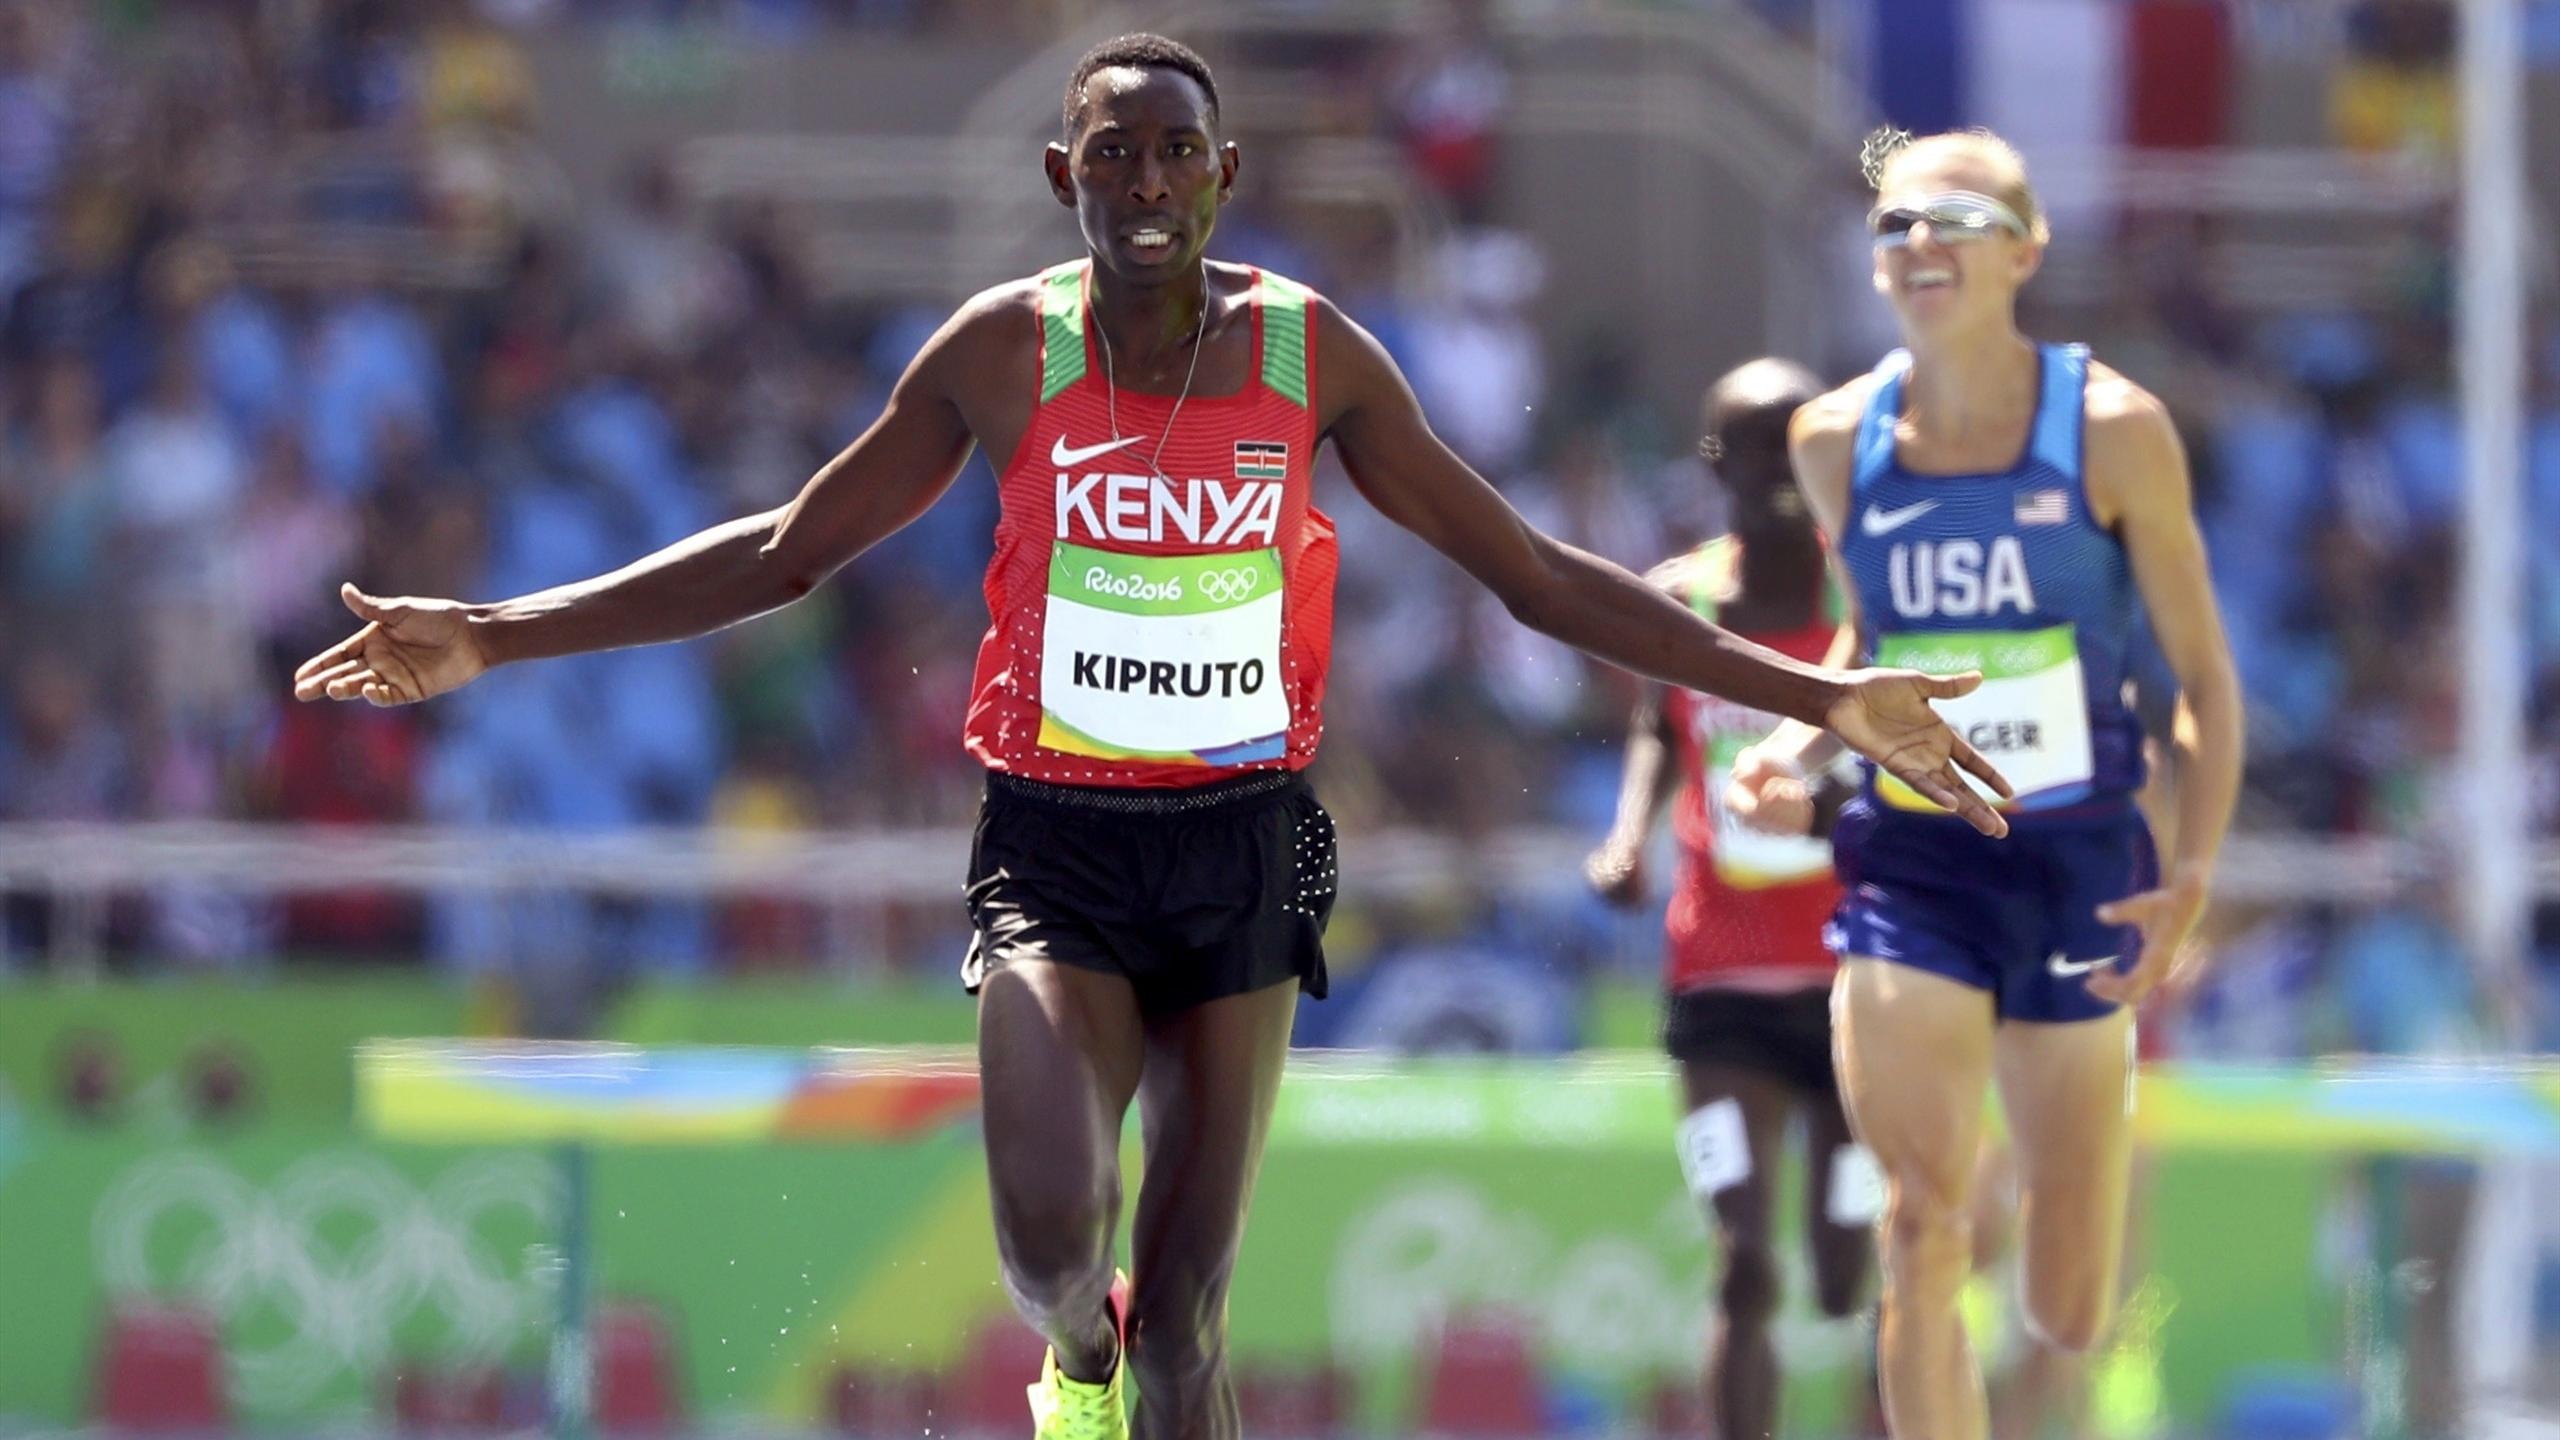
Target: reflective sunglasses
[(1954, 216)]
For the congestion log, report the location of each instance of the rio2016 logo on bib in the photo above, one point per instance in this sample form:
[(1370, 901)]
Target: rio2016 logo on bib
[(1747, 859), (1223, 587)]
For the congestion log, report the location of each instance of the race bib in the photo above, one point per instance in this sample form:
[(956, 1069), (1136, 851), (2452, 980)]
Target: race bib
[(1715, 1148), (1749, 859), (1172, 658), (2030, 717), (1857, 1191)]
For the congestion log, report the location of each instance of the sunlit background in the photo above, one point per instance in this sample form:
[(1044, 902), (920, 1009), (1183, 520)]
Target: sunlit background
[(468, 297)]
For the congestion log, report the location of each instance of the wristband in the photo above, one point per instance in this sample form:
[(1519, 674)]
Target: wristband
[(1831, 792)]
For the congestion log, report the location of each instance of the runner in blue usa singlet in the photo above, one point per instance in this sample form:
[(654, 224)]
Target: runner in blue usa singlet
[(2007, 509), (2008, 574)]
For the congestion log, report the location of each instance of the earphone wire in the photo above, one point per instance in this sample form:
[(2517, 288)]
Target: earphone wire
[(1111, 379)]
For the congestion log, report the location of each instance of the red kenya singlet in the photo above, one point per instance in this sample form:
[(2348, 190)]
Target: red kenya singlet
[(1159, 629), (1748, 909)]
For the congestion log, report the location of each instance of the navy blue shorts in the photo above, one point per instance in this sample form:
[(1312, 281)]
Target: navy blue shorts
[(2016, 918)]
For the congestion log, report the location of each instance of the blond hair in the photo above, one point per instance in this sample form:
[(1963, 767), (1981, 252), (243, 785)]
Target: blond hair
[(1887, 147)]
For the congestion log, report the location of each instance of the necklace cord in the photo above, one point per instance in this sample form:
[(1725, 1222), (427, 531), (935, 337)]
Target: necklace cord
[(1111, 380)]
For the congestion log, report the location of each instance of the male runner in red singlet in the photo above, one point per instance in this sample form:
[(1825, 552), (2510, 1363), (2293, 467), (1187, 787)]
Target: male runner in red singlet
[(1151, 876), (1747, 1008)]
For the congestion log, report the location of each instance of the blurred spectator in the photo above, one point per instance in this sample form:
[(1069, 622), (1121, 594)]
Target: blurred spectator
[(291, 540), (72, 298), (334, 765), (474, 76), (59, 761), (364, 66), (2395, 93), (35, 130), (2407, 986), (58, 509), (1477, 975), (243, 346), (64, 760), (1477, 362), (373, 365), (2259, 999), (660, 276), (1447, 91), (178, 476)]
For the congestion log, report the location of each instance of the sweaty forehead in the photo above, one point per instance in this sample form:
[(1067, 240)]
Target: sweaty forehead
[(1143, 96)]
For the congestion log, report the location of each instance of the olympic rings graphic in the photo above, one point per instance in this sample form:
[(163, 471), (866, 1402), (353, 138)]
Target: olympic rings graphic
[(313, 1274), (1229, 586)]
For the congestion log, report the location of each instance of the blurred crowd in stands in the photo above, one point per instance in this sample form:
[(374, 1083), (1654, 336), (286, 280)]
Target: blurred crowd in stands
[(204, 425)]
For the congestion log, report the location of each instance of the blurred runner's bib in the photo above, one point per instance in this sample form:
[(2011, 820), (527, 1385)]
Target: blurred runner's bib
[(1749, 859)]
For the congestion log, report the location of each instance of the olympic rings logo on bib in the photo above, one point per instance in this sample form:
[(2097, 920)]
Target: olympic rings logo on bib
[(1229, 586)]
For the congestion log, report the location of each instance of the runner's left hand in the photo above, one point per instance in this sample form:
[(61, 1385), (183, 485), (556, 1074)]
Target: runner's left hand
[(1769, 794), (1615, 873), (2166, 917), (1885, 716)]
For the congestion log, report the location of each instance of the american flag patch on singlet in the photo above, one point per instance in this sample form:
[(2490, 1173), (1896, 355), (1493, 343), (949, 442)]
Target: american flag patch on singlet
[(1262, 460), (2043, 507)]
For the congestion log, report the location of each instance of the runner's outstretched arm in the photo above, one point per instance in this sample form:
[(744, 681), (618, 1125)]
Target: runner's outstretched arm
[(1365, 406), (2138, 468), (412, 647), (1616, 868)]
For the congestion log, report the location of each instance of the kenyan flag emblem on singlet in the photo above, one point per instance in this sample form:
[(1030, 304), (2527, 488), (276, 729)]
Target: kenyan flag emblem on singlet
[(1262, 460)]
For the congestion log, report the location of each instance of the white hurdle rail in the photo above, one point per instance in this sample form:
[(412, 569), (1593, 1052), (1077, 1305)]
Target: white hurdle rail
[(77, 860)]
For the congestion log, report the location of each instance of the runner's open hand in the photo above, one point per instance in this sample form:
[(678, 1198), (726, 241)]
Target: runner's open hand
[(2165, 917), (409, 649), (1885, 716)]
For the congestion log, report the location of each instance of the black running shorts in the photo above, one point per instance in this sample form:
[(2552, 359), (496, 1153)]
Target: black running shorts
[(1786, 1035), (1192, 895)]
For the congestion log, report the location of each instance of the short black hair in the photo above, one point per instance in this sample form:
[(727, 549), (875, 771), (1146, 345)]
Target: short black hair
[(1142, 51)]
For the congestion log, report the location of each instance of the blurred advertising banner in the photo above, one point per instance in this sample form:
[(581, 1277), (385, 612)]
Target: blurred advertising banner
[(773, 1276)]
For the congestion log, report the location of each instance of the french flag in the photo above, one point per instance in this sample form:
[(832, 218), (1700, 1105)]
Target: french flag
[(2057, 78)]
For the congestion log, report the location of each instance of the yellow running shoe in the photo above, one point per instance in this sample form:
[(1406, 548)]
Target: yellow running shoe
[(1065, 1409)]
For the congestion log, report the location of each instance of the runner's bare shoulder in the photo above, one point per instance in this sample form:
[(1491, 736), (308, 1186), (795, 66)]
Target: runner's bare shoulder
[(1820, 438), (1831, 418), (2119, 411), (993, 337)]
